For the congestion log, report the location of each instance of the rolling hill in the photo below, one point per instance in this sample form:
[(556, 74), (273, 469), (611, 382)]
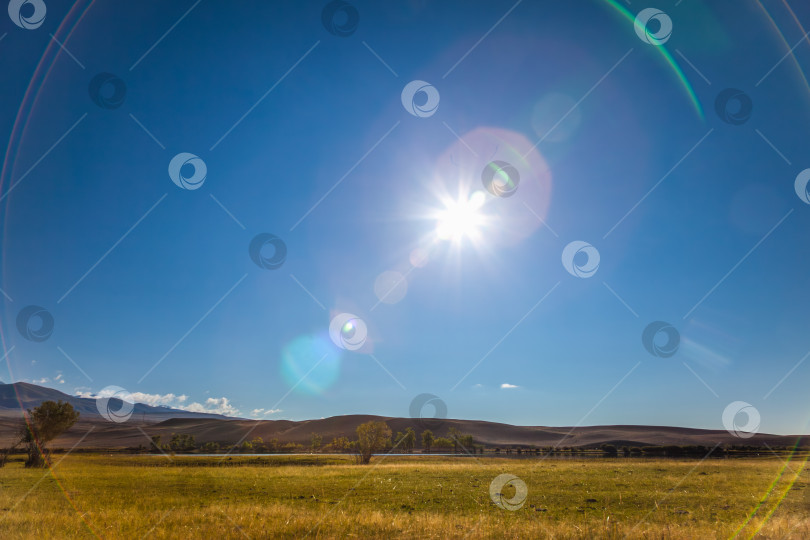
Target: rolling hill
[(93, 431)]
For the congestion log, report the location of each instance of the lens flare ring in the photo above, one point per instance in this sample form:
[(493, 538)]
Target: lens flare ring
[(348, 331), (500, 178)]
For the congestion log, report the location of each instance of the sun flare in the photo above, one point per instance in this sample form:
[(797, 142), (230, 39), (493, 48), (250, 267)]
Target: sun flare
[(462, 218)]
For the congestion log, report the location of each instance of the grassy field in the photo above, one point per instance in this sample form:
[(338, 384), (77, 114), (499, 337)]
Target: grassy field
[(420, 497)]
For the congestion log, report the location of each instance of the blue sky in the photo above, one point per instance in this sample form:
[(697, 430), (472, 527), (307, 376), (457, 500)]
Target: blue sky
[(716, 249)]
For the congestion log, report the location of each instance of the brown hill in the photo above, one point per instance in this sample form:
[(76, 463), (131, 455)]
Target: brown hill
[(93, 431), (98, 433)]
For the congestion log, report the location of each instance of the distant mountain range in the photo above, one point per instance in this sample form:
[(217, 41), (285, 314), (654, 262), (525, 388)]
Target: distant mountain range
[(94, 431), (18, 396)]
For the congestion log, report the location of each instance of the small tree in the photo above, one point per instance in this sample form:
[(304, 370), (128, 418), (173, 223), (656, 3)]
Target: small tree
[(609, 450), (258, 445), (340, 444), (316, 440), (182, 442), (156, 443), (273, 445), (44, 424), (427, 440), (372, 437), (210, 447), (454, 435), (443, 442), (409, 440)]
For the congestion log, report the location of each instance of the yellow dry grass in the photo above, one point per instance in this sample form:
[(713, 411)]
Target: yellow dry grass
[(420, 497)]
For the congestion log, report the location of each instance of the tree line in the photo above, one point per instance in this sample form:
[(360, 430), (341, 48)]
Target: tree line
[(372, 437), (46, 422)]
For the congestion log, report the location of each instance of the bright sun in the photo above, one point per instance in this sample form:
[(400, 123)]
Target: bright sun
[(461, 218)]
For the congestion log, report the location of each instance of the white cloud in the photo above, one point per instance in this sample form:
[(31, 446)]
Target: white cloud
[(221, 405), (214, 406), (264, 412), (156, 400), (46, 380), (507, 385)]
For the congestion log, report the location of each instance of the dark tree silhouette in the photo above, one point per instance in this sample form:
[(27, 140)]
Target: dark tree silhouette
[(372, 437), (427, 440), (44, 424)]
